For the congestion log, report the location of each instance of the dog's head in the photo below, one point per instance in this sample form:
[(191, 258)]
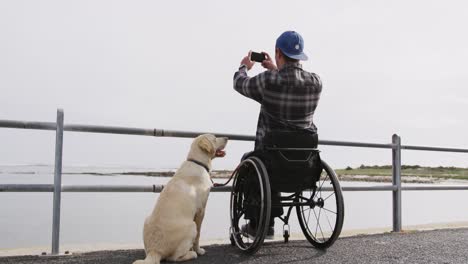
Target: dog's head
[(211, 145)]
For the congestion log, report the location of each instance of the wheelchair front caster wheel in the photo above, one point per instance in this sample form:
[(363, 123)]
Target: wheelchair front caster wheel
[(286, 236)]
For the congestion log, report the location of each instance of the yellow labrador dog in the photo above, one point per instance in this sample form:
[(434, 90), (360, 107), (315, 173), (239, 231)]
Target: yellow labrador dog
[(172, 231)]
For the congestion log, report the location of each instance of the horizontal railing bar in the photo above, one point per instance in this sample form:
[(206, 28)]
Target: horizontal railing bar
[(109, 130), (435, 149), (362, 188), (435, 188), (28, 125), (112, 188), (189, 134), (117, 130), (156, 188), (159, 132), (26, 188), (355, 144), (150, 132), (368, 188), (186, 134)]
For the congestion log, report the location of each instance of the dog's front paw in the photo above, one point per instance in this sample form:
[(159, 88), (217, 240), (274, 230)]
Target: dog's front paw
[(200, 251)]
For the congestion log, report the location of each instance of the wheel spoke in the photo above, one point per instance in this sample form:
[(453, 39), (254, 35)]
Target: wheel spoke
[(329, 196), (320, 192), (324, 181), (329, 210), (316, 227), (320, 226), (328, 220)]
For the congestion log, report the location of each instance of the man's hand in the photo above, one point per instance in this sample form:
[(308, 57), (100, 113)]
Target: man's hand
[(268, 62), (247, 62)]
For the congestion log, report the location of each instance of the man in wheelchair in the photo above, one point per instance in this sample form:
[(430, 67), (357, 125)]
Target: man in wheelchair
[(292, 163), (288, 96)]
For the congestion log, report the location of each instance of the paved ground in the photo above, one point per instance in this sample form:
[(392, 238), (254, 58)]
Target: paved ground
[(438, 246)]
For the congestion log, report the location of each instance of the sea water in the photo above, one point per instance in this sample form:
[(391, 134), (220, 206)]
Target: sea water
[(117, 218)]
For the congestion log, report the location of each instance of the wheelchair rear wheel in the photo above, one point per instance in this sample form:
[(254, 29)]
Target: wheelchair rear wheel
[(321, 216), (250, 202)]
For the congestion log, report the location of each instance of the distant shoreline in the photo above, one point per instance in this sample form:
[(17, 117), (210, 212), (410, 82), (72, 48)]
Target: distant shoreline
[(224, 174), (214, 173), (410, 173)]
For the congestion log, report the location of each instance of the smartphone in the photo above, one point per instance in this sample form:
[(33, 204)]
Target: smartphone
[(258, 57)]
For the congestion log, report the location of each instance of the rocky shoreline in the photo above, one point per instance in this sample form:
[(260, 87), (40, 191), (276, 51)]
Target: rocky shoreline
[(404, 179)]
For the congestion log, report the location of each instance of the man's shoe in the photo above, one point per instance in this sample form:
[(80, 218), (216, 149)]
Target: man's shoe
[(270, 233), (249, 231)]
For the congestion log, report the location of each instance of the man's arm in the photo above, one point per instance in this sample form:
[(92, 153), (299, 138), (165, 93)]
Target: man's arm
[(251, 87)]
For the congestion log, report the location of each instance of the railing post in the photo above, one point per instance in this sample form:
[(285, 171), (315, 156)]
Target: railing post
[(57, 183), (396, 181)]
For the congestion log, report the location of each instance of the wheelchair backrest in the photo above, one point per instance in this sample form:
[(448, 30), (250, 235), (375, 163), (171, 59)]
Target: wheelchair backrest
[(292, 160), (287, 139)]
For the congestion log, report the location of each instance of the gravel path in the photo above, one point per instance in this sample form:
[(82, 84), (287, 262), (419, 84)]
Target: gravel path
[(437, 246)]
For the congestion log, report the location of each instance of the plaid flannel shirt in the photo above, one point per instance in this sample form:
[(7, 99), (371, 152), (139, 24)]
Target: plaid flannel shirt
[(288, 98)]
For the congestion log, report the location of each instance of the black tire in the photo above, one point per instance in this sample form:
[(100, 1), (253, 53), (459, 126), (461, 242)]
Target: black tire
[(251, 174), (321, 220), (231, 238)]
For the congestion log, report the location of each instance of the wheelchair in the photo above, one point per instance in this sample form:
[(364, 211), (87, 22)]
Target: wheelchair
[(286, 174)]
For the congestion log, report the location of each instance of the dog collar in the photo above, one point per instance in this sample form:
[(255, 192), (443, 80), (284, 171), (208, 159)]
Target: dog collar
[(201, 164)]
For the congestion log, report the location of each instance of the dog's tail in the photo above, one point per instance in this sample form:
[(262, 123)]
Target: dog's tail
[(151, 258)]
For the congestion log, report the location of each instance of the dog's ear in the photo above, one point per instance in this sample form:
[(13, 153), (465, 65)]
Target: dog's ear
[(206, 145)]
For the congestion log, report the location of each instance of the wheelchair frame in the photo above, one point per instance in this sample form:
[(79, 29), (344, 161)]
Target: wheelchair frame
[(296, 199)]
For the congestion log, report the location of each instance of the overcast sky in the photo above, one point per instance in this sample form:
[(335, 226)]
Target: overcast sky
[(387, 67)]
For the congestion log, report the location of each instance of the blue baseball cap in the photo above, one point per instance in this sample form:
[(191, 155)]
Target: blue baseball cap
[(292, 45)]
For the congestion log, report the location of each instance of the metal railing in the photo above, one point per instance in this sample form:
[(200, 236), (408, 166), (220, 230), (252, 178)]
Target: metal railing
[(57, 188)]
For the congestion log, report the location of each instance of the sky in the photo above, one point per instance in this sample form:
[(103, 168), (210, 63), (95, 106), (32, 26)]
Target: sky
[(387, 67)]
